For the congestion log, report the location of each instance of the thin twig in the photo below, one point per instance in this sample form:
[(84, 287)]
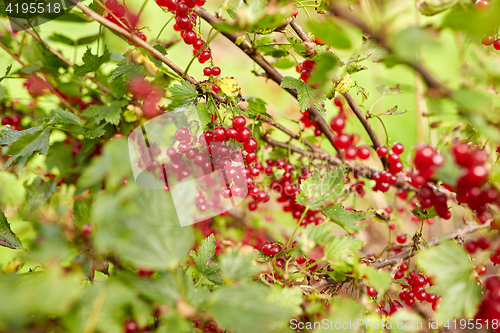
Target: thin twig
[(435, 86), (271, 72)]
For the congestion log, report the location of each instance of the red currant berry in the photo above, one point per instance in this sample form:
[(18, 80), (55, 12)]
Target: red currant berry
[(280, 262), (243, 134), (401, 239), (183, 22), (250, 157), (470, 247), (313, 267), (131, 326), (382, 151), (250, 145), (87, 230), (364, 152), (215, 89), (216, 71), (488, 40), (239, 122), (337, 124), (398, 148), (496, 44), (481, 270), (371, 291), (300, 260), (252, 206), (393, 158), (275, 249), (483, 5), (266, 248), (295, 12)]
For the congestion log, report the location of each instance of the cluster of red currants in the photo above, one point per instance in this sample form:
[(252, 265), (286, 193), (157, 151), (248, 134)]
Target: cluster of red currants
[(415, 285), (305, 69), (185, 20), (383, 180), (490, 306), (470, 187), (36, 86), (308, 123), (208, 327), (343, 141), (149, 93), (14, 121), (288, 191), (120, 15)]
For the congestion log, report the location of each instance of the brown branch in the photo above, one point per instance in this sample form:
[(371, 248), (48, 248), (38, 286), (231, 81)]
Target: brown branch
[(355, 108), (459, 233), (271, 72), (131, 36), (436, 87), (285, 130), (319, 154)]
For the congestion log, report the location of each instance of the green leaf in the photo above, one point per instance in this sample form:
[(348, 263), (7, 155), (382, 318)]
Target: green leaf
[(422, 213), (250, 308), (304, 92), (65, 117), (82, 209), (55, 37), (256, 106), (343, 311), (87, 40), (235, 265), (39, 192), (7, 237), (160, 48), (26, 145), (377, 278), (345, 218), (128, 69), (7, 71), (91, 62), (328, 32), (433, 7), (316, 190), (182, 93), (204, 260), (314, 235), (204, 116), (454, 282), (324, 71), (343, 249), (154, 240), (111, 113), (8, 135)]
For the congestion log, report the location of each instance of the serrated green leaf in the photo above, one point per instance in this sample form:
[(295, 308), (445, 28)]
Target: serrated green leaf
[(204, 260), (314, 235), (328, 32), (110, 113), (128, 69), (345, 218), (317, 190), (304, 92), (343, 249), (182, 93), (204, 116), (87, 40), (422, 213), (235, 265), (454, 282), (8, 135), (26, 145), (38, 192), (7, 237), (65, 117), (91, 63)]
